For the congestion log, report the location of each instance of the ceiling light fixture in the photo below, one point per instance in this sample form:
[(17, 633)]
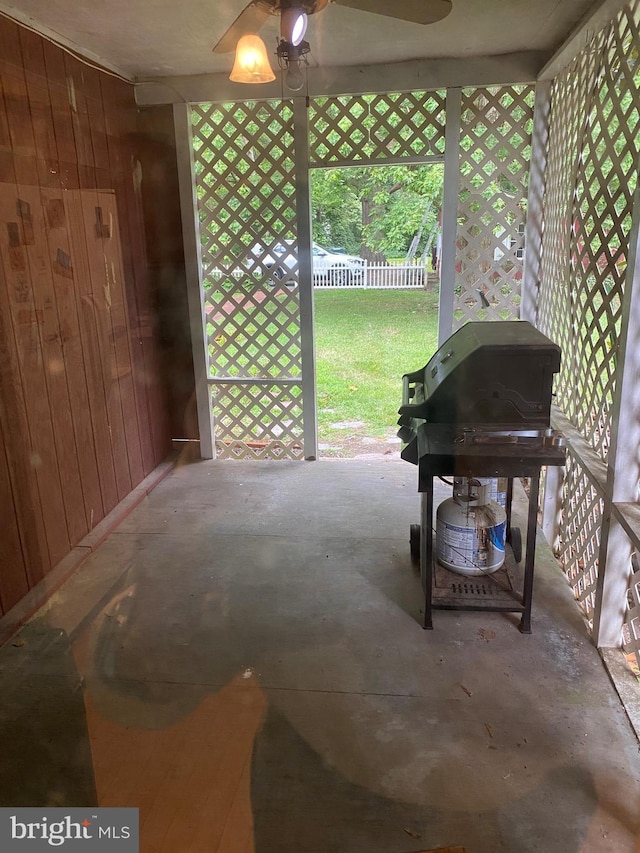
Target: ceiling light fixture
[(292, 59), (293, 25), (251, 63)]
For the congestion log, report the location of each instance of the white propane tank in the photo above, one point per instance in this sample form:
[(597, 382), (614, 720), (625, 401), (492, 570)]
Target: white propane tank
[(470, 530)]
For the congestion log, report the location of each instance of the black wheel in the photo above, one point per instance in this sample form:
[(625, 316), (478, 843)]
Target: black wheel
[(515, 540), (414, 542)]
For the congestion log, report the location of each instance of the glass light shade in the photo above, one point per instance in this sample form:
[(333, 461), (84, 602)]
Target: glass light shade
[(251, 64), (293, 25), (294, 78)]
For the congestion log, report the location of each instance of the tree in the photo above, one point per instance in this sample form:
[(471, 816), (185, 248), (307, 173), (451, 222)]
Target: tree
[(382, 207)]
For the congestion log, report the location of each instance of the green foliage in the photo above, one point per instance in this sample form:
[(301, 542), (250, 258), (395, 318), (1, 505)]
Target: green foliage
[(382, 207), (336, 207)]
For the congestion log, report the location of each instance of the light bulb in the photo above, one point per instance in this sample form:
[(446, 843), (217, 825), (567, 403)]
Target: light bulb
[(294, 78)]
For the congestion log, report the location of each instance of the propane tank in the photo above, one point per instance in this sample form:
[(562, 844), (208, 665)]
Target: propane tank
[(470, 529)]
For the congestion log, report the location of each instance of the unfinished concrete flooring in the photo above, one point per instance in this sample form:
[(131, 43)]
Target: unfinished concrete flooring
[(243, 660)]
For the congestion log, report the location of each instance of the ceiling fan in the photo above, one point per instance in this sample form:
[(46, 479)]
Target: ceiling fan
[(256, 13)]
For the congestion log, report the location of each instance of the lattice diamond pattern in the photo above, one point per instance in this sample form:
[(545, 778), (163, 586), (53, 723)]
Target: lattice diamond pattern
[(495, 147), (580, 534), (243, 163), (258, 421), (255, 334), (591, 177), (570, 93), (368, 128)]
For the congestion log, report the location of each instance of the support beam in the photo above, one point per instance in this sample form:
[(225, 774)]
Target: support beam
[(193, 268), (623, 464), (412, 75), (533, 232), (449, 214), (305, 277)]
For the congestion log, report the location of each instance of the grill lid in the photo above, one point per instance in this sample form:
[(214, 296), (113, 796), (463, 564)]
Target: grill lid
[(485, 373)]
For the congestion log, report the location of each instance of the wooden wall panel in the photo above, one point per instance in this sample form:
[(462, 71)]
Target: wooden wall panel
[(156, 150), (115, 284), (119, 121), (83, 412), (27, 505), (13, 581), (27, 317), (85, 427), (93, 342)]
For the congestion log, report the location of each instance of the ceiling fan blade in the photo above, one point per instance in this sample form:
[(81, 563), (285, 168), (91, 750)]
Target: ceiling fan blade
[(416, 11), (249, 20)]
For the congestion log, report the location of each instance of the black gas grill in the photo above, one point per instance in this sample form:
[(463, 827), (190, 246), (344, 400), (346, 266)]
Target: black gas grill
[(481, 408)]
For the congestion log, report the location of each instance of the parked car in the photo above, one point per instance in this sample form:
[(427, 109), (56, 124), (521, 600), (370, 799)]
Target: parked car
[(336, 268), (329, 267), (281, 260)]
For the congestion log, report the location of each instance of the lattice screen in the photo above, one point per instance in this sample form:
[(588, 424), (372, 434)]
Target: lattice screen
[(367, 129), (495, 148), (593, 155), (244, 156), (591, 178), (571, 92), (580, 535)]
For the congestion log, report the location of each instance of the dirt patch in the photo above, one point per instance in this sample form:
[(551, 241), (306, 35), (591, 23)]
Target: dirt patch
[(359, 447)]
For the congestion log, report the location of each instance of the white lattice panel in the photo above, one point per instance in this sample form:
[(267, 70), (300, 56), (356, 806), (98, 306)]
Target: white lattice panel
[(258, 421), (244, 156), (495, 148), (570, 93), (580, 535), (591, 177), (374, 128)]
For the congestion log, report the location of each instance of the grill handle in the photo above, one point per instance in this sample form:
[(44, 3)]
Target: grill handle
[(408, 393), (405, 390)]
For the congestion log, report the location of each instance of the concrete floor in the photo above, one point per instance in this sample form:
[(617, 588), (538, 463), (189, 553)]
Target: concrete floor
[(243, 660)]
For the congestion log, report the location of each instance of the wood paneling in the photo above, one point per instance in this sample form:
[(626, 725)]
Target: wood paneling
[(83, 415)]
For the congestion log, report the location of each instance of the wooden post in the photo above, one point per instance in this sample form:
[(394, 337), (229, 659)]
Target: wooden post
[(305, 273), (623, 468), (449, 214), (533, 231), (193, 269)]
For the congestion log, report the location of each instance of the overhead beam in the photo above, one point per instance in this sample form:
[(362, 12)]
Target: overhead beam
[(361, 79), (597, 19)]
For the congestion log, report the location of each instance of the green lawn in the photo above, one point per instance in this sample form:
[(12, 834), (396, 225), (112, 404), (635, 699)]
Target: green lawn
[(365, 341)]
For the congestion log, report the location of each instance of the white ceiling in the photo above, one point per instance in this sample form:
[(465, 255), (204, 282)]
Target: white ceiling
[(157, 38)]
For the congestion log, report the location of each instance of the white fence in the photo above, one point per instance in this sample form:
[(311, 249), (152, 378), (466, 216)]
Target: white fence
[(374, 276), (365, 275)]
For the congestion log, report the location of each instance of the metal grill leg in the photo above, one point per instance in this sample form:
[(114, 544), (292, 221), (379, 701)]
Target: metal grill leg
[(532, 519), (426, 551)]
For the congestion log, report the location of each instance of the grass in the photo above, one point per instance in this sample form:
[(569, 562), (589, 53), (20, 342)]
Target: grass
[(365, 341)]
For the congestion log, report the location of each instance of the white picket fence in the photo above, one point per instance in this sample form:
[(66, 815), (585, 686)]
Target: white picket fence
[(375, 276)]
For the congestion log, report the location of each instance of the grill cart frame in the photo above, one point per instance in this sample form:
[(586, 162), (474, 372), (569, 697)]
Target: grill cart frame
[(442, 454), (481, 407)]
